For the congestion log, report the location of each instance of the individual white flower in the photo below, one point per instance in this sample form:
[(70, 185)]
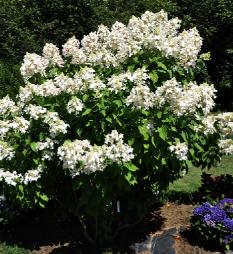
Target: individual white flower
[(180, 150)]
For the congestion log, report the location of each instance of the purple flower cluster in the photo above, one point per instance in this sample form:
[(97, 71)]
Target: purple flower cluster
[(219, 216)]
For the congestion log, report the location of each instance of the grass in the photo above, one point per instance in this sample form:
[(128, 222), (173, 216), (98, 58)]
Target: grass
[(192, 181), (9, 249)]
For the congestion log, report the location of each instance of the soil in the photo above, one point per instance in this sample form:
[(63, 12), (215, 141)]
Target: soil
[(167, 226)]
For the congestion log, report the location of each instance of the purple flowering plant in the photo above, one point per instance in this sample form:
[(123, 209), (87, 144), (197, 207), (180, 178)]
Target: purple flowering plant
[(214, 221)]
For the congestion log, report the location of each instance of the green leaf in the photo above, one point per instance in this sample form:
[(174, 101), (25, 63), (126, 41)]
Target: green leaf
[(44, 197), (130, 179), (154, 76), (109, 119), (162, 132), (199, 147), (33, 146), (161, 65), (103, 112), (85, 97), (144, 132), (87, 112), (159, 114), (131, 141), (118, 103), (79, 131), (130, 166), (184, 136)]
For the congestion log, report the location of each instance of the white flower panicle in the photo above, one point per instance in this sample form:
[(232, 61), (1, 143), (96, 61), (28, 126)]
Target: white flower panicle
[(6, 151), (113, 46), (18, 124), (116, 83), (33, 64), (35, 112), (51, 52), (141, 97), (80, 156), (115, 149), (226, 146), (32, 175), (70, 47), (56, 125), (8, 107), (47, 144), (74, 105), (180, 150), (186, 100), (208, 125), (70, 153), (13, 178), (10, 178)]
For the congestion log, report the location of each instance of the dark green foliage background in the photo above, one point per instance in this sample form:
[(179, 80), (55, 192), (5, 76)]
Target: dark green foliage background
[(26, 25)]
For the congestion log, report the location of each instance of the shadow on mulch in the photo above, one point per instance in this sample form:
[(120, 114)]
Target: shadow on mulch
[(42, 228), (196, 239)]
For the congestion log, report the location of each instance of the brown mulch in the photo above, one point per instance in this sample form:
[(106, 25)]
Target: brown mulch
[(178, 215)]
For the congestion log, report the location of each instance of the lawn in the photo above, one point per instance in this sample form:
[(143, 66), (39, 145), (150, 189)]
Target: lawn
[(192, 181)]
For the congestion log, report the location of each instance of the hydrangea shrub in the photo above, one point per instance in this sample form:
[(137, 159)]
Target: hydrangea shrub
[(110, 121), (215, 222)]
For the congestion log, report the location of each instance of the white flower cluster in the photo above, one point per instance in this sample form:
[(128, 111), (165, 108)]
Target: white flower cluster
[(226, 146), (13, 178), (56, 125), (51, 52), (141, 97), (115, 149), (180, 150), (46, 148), (222, 124), (32, 175), (80, 156), (152, 30), (113, 46), (75, 105), (6, 151), (186, 100), (48, 144), (33, 64), (18, 124), (8, 107), (207, 126)]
